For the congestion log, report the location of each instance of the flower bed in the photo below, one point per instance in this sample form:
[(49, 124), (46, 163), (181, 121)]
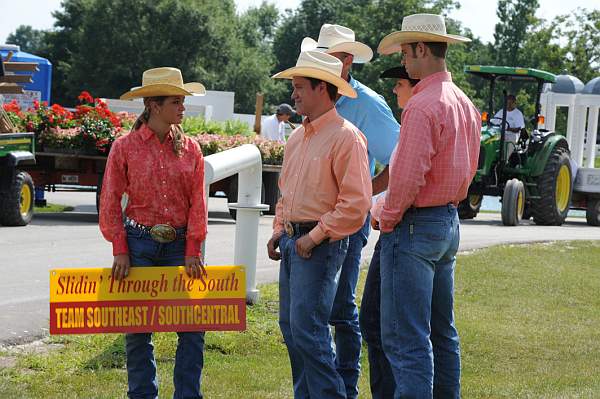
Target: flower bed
[(92, 128)]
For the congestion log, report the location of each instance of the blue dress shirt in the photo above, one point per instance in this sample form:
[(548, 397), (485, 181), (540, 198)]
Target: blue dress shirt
[(373, 117)]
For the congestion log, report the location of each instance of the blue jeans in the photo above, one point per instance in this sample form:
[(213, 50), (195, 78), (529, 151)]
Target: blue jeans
[(306, 291), (189, 358), (417, 300), (344, 314), (381, 378)]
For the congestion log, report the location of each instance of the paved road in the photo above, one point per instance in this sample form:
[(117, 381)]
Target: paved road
[(73, 240)]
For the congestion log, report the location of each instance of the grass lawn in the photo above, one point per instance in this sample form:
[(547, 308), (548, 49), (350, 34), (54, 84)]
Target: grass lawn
[(528, 315), (52, 208)]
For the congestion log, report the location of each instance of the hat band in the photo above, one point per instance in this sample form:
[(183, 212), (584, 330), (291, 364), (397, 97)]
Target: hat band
[(429, 28)]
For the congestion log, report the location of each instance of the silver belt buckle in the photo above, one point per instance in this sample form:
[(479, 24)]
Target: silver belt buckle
[(289, 229), (163, 233)]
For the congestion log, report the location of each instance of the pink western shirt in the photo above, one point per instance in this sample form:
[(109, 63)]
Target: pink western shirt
[(437, 152), (325, 178), (162, 188)]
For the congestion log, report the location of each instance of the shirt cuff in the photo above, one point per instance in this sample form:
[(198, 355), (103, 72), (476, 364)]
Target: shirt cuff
[(193, 247), (120, 246), (317, 234)]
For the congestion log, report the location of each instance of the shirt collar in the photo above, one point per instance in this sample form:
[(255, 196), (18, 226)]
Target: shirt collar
[(148, 133), (432, 79), (317, 124)]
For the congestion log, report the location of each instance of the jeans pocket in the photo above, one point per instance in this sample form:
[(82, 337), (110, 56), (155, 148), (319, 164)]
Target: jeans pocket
[(429, 238)]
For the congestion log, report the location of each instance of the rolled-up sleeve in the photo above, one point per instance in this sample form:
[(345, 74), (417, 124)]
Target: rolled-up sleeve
[(197, 217), (113, 187), (351, 170)]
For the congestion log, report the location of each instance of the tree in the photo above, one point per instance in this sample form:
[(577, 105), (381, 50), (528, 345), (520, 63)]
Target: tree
[(104, 46), (515, 19), (28, 39)]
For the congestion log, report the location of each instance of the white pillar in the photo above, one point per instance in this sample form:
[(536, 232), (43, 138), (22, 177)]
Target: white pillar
[(592, 133)]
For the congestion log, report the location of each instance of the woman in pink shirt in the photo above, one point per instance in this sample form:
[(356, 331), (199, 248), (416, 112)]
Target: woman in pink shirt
[(162, 172)]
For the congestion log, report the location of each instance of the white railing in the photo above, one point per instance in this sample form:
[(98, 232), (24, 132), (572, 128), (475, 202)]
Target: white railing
[(247, 162)]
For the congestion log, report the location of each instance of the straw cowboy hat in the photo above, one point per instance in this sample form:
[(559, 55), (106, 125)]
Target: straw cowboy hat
[(164, 81), (419, 28), (318, 65), (338, 39)]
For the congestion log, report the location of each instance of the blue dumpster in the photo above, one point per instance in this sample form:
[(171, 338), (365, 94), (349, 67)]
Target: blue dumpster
[(42, 79)]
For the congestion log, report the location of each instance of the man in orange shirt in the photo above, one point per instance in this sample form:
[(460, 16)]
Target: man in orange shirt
[(325, 186)]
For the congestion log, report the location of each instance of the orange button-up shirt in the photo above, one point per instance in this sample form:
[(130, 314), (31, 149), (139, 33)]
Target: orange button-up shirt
[(161, 188), (325, 177)]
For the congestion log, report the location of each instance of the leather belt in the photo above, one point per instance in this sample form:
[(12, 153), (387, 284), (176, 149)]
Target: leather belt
[(299, 228), (162, 233)]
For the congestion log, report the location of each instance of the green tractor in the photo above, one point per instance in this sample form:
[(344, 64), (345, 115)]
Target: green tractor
[(16, 186), (532, 172)]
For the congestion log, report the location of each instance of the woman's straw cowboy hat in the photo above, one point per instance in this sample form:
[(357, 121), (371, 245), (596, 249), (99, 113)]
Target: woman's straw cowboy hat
[(164, 81), (338, 39), (419, 28), (318, 65)]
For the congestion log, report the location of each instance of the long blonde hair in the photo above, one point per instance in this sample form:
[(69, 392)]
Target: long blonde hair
[(144, 117)]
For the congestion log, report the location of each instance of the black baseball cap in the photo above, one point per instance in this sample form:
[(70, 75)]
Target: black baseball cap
[(285, 109)]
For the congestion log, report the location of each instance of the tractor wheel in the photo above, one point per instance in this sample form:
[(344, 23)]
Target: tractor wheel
[(513, 202), (555, 186), (16, 205), (592, 212), (469, 207)]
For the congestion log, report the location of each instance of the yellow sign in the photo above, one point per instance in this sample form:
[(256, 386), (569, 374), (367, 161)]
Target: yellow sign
[(149, 299)]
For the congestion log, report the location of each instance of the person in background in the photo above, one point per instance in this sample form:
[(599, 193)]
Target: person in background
[(515, 123), (273, 127), (381, 378), (165, 221), (325, 196), (430, 172), (373, 117)]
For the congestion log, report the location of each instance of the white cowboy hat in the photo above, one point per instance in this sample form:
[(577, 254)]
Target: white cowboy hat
[(337, 38), (419, 28), (318, 65), (164, 81)]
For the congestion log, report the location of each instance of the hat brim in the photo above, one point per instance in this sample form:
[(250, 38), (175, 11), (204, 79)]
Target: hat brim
[(164, 89), (361, 52), (344, 87), (396, 73), (392, 42)]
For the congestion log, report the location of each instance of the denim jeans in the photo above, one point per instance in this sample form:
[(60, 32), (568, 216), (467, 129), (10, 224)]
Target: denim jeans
[(306, 291), (189, 358), (344, 314), (417, 300), (381, 378)]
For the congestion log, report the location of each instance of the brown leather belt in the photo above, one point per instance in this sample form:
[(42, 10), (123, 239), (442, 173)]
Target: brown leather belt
[(299, 228)]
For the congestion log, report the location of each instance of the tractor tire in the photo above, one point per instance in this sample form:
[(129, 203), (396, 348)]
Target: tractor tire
[(555, 187), (592, 212), (16, 204), (513, 202), (469, 207)]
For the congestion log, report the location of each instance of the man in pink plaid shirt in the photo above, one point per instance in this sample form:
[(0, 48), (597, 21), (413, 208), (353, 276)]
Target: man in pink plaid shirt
[(430, 173)]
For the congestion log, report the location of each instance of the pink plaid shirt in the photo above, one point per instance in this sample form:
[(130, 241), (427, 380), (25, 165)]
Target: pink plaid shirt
[(437, 152)]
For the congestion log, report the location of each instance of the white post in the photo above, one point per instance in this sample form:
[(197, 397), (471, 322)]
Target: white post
[(592, 132), (246, 161)]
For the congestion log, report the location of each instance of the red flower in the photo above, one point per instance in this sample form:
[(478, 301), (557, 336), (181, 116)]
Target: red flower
[(85, 98)]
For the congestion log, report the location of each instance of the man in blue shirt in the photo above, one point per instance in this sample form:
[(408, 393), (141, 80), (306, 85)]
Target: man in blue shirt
[(373, 117)]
